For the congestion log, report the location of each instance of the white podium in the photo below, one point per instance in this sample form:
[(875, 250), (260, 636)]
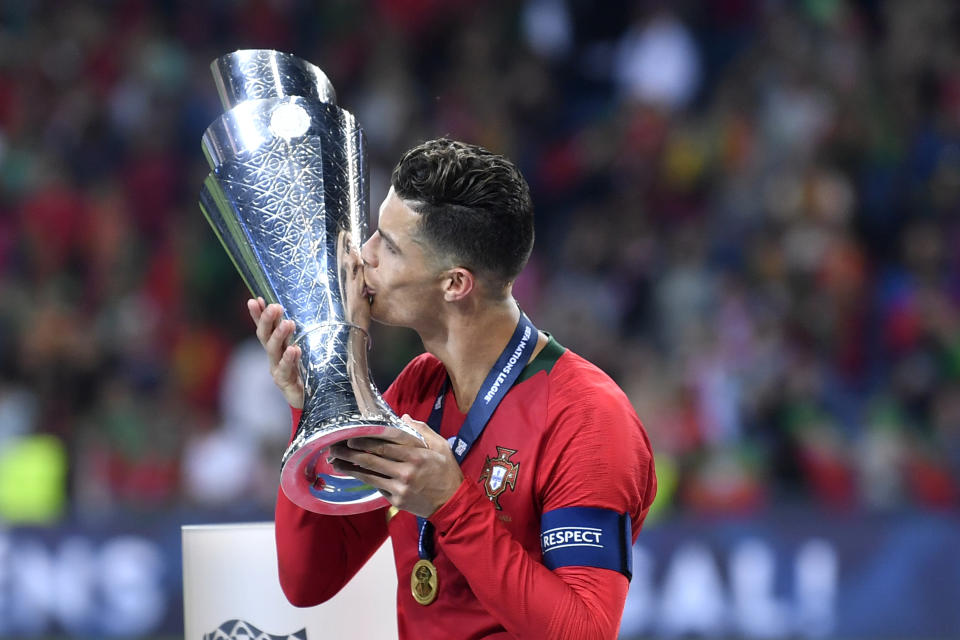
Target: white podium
[(231, 591)]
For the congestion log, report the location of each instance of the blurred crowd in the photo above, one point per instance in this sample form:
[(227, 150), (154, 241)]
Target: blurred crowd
[(748, 213)]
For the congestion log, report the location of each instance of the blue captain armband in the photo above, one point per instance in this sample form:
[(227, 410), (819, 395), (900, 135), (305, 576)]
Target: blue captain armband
[(587, 537)]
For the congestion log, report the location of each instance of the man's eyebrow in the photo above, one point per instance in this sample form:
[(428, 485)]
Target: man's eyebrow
[(390, 241)]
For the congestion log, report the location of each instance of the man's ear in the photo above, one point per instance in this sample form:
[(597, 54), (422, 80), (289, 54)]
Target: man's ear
[(458, 282)]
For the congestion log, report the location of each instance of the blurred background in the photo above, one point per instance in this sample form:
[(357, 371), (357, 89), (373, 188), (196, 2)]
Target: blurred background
[(748, 213)]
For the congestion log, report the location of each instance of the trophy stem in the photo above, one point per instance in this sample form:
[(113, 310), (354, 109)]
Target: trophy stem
[(336, 368)]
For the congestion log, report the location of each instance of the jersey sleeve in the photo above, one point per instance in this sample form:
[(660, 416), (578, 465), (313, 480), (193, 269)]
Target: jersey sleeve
[(599, 457)]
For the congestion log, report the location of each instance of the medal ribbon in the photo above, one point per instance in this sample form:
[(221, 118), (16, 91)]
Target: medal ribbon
[(504, 373)]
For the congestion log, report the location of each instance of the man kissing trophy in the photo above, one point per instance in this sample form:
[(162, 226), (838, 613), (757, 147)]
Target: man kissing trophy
[(287, 196)]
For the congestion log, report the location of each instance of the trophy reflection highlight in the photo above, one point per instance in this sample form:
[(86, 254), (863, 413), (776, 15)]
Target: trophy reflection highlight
[(288, 198)]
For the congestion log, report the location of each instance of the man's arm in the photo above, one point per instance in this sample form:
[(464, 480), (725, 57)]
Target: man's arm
[(597, 456), (528, 599), (317, 555)]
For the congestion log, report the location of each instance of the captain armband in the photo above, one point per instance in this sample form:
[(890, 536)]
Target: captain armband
[(587, 537)]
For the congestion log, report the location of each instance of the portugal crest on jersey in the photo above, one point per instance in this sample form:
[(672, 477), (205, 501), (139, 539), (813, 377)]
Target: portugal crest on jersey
[(498, 474)]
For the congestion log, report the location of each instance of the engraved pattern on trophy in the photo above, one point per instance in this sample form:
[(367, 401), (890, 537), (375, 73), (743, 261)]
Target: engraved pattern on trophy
[(255, 86), (251, 74), (287, 196), (279, 193)]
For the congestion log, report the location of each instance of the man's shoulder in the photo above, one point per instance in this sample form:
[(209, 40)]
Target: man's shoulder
[(602, 456), (584, 393), (576, 375)]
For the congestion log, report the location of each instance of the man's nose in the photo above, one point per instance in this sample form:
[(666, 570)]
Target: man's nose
[(367, 253)]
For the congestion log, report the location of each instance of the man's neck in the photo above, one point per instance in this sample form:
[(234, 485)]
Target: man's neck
[(470, 343)]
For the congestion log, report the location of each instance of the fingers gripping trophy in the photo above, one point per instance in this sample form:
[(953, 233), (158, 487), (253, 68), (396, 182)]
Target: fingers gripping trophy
[(287, 196)]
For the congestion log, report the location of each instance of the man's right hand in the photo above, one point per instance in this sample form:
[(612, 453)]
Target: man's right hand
[(273, 332)]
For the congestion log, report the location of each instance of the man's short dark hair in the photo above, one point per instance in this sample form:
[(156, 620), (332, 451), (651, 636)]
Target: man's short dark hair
[(474, 205)]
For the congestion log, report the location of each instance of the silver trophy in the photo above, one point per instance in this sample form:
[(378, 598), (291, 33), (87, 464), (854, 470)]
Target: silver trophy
[(288, 198)]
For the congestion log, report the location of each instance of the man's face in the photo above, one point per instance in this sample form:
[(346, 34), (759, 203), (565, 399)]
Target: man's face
[(404, 288)]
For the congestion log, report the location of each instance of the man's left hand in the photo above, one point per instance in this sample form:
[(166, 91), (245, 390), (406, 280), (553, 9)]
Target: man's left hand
[(414, 478)]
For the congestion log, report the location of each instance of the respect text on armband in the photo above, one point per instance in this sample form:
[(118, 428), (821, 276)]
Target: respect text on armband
[(570, 537)]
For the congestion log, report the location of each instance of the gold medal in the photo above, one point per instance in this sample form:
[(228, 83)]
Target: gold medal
[(423, 582)]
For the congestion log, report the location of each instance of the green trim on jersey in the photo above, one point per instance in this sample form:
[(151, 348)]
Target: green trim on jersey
[(544, 360)]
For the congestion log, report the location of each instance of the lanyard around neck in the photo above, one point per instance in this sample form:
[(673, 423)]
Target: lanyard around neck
[(504, 373), (502, 376)]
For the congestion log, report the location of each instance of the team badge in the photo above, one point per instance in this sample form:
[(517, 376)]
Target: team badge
[(498, 474)]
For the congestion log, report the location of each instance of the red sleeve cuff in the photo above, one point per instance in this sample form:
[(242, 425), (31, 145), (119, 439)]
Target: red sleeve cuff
[(464, 498)]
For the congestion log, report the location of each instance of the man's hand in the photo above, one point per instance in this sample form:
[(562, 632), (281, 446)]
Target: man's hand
[(413, 478), (273, 332)]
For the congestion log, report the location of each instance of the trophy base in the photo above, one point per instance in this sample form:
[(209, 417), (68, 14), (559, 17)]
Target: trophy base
[(310, 482)]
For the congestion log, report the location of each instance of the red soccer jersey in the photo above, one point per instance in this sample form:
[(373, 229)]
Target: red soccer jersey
[(564, 436)]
